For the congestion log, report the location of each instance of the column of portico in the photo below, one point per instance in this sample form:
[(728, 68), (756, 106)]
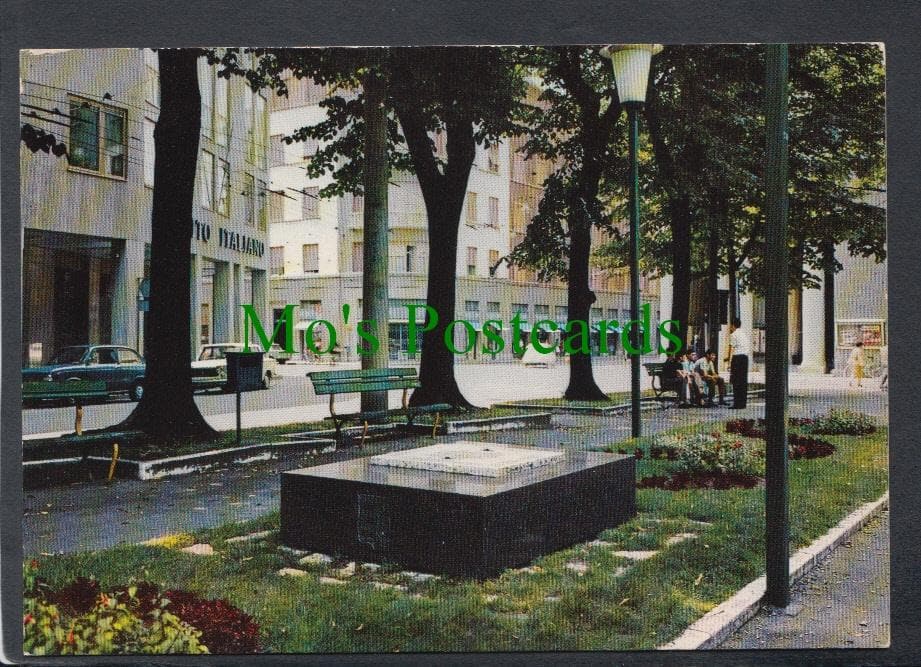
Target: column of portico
[(813, 305), (222, 303), (128, 274)]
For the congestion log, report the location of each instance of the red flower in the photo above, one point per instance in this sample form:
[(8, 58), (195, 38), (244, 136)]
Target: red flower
[(28, 618), (33, 564)]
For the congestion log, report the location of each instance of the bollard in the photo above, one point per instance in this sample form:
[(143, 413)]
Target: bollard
[(114, 460), (78, 419)]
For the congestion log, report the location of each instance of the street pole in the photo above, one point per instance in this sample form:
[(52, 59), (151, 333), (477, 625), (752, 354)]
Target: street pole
[(633, 109), (374, 288), (777, 528)]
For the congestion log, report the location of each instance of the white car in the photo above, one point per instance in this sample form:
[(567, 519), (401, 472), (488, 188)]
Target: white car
[(209, 371)]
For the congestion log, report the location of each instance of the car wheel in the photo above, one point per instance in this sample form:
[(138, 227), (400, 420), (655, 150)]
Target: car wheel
[(267, 381), (137, 391)]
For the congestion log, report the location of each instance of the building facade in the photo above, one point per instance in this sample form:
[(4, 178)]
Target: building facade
[(87, 217), (317, 253)]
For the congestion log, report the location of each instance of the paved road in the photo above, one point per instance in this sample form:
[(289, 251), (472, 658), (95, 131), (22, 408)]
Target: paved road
[(291, 399), (842, 603), (90, 515)]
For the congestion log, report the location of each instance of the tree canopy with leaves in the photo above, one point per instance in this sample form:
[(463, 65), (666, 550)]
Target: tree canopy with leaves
[(470, 94)]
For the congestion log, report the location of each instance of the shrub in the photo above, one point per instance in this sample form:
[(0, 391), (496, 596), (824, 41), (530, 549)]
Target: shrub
[(110, 626), (713, 453), (842, 422)]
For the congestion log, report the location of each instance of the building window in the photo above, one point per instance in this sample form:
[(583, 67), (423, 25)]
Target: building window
[(262, 201), (471, 209), (492, 308), (249, 198), (492, 158), (98, 141), (311, 146), (311, 258), (261, 129), (493, 262), (358, 256), (358, 204), (149, 152), (152, 77), (277, 260), (521, 309), (278, 150), (222, 187), (206, 88), (541, 312), (471, 261), (206, 179), (221, 111), (410, 258), (494, 212), (311, 203), (562, 314), (472, 310), (276, 205)]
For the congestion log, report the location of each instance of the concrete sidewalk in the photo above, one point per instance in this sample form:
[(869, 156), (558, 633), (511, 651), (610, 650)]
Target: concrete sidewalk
[(842, 603)]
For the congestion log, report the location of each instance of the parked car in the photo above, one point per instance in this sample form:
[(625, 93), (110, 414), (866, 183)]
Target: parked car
[(209, 371), (120, 367)]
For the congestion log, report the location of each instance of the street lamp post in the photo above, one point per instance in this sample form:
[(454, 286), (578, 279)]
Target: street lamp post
[(631, 72)]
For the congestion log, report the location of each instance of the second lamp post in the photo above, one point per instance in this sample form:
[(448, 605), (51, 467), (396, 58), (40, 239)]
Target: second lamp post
[(631, 72)]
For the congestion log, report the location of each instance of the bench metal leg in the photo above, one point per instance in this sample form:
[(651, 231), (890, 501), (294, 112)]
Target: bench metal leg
[(364, 434)]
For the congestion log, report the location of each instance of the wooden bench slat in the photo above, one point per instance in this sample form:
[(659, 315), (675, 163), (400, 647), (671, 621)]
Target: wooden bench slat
[(78, 388), (362, 373), (359, 386)]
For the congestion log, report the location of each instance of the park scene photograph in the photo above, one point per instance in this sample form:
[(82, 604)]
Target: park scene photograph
[(453, 349)]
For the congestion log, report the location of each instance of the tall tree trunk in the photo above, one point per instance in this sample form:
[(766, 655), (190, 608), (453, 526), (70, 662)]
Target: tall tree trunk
[(582, 385), (443, 194), (375, 276), (167, 410), (828, 293), (713, 275), (680, 224), (436, 370)]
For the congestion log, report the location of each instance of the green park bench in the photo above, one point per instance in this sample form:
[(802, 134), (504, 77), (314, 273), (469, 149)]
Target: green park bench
[(74, 390), (77, 391), (376, 379), (661, 385)]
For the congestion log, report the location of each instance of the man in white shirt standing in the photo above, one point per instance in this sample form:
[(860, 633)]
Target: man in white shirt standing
[(739, 349)]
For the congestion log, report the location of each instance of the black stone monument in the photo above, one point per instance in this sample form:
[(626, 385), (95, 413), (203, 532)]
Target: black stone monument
[(429, 516)]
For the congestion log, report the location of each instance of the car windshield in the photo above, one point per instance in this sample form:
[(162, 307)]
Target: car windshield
[(69, 355)]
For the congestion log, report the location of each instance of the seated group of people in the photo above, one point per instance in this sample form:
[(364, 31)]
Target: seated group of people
[(698, 379)]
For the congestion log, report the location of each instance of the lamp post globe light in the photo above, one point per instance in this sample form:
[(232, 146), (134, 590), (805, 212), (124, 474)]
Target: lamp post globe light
[(631, 72)]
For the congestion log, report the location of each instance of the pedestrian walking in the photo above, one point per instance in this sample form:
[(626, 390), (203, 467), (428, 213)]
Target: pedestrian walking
[(856, 361), (739, 348)]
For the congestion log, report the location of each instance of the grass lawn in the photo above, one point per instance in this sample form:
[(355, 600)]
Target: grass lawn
[(581, 598)]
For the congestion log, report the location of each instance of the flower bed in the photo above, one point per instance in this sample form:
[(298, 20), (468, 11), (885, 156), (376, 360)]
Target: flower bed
[(804, 447), (836, 422), (705, 461), (700, 480), (80, 618)]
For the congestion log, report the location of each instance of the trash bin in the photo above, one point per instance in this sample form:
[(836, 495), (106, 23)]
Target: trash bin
[(244, 371)]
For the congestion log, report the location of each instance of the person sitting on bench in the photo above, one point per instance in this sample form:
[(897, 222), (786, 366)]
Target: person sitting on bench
[(672, 379), (706, 368)]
